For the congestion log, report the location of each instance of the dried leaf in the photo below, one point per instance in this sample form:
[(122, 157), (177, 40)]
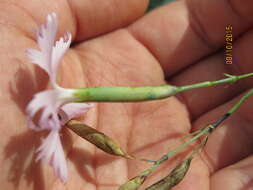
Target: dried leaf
[(133, 184), (97, 138), (175, 177)]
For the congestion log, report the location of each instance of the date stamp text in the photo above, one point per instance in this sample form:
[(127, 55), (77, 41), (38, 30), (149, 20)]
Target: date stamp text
[(228, 44)]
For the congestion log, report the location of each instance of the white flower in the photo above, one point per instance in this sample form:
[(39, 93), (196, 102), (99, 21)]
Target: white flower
[(52, 103)]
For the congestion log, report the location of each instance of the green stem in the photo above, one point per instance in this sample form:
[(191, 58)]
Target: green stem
[(237, 105), (229, 79), (165, 157), (205, 131), (143, 93), (234, 108)]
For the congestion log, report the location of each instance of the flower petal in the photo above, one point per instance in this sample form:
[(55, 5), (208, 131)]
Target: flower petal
[(52, 152), (72, 110), (51, 52), (46, 39), (59, 50), (37, 58), (46, 101)]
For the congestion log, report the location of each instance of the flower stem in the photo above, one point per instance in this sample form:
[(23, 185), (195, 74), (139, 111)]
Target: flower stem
[(143, 93), (229, 79), (173, 152), (202, 132), (234, 108), (237, 104)]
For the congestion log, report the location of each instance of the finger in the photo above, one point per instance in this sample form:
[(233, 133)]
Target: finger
[(116, 59), (84, 19), (235, 177), (26, 16), (182, 32), (232, 140), (212, 69), (95, 17)]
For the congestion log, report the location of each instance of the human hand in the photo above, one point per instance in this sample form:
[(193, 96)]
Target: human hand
[(172, 42)]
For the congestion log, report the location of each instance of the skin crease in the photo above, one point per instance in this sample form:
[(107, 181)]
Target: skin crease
[(114, 44)]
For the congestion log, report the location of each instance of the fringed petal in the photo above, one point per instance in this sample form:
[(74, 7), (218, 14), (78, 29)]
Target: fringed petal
[(38, 58), (59, 50), (51, 52), (46, 39), (52, 152), (47, 102), (72, 110)]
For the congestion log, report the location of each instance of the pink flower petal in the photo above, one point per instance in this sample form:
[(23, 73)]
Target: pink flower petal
[(52, 152), (59, 50), (51, 52), (49, 104), (37, 58), (46, 39), (72, 110)]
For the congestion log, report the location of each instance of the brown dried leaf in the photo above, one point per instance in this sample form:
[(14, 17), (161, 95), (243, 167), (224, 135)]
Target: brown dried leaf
[(97, 138), (175, 177), (133, 184)]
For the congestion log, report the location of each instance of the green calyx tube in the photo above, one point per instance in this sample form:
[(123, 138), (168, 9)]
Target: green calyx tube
[(124, 94)]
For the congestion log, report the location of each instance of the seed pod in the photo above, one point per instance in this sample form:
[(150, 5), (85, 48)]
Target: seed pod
[(175, 177), (97, 138), (133, 184)]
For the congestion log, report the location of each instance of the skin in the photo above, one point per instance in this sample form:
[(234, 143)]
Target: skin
[(114, 44)]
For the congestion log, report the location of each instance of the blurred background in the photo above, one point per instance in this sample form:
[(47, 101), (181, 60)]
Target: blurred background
[(156, 3)]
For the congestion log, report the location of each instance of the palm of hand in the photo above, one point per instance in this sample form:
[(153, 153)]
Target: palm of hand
[(147, 129)]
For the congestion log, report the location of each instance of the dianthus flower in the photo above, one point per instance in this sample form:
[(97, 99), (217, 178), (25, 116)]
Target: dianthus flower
[(53, 105)]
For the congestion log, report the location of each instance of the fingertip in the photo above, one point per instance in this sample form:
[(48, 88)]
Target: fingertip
[(96, 17), (234, 177)]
